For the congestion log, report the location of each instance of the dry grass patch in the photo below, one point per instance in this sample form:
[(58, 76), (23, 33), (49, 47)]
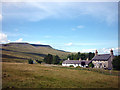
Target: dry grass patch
[(40, 76)]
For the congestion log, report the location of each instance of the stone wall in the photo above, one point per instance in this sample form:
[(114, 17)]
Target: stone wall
[(100, 64)]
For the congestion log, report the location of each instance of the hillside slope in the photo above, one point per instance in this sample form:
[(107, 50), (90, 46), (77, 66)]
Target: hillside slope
[(18, 51)]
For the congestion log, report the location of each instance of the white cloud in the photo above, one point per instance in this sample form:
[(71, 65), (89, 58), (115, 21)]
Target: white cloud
[(102, 11), (88, 50), (87, 44), (69, 44), (107, 50), (84, 44), (19, 40), (38, 42), (10, 34), (3, 38), (73, 29), (34, 11), (102, 50), (80, 26)]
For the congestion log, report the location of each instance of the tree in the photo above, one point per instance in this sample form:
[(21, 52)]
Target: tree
[(56, 59), (60, 62), (30, 61), (78, 53), (86, 56), (83, 56), (48, 59), (72, 57), (90, 55), (79, 56), (69, 56), (116, 62), (76, 57)]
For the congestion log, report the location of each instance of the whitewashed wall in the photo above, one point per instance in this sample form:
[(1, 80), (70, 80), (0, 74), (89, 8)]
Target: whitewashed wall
[(75, 65)]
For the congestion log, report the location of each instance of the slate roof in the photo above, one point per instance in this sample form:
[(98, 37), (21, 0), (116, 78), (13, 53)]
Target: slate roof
[(76, 62), (87, 62), (101, 57)]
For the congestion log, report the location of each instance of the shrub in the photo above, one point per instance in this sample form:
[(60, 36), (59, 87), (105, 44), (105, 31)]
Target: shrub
[(60, 63), (30, 61), (116, 63), (78, 67), (71, 66), (38, 61), (91, 65)]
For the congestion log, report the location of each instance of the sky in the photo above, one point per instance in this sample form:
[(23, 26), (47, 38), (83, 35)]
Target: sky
[(69, 26)]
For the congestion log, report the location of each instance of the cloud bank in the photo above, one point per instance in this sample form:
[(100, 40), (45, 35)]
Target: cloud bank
[(34, 11), (102, 50), (3, 38)]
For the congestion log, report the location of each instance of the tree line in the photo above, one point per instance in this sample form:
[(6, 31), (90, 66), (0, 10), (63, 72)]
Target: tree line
[(82, 56), (55, 59), (51, 59)]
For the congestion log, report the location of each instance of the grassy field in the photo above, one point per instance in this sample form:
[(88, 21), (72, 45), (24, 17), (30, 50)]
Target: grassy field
[(23, 75)]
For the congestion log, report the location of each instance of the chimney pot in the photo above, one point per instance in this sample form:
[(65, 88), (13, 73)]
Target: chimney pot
[(96, 53), (79, 59), (87, 59), (111, 52)]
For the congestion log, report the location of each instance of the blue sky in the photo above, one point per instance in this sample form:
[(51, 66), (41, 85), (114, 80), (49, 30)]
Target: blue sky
[(69, 26)]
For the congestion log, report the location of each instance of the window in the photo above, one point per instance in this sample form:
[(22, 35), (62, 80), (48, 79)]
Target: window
[(104, 65)]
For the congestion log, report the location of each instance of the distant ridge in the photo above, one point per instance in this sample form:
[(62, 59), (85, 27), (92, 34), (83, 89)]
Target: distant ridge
[(13, 43), (22, 51), (18, 43), (62, 50), (37, 45), (25, 43)]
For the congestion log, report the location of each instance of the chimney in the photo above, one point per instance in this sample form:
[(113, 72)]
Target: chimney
[(112, 56), (87, 59), (68, 58), (79, 59), (111, 52), (96, 53)]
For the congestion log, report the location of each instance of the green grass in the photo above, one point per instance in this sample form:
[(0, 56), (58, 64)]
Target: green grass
[(23, 75), (102, 71)]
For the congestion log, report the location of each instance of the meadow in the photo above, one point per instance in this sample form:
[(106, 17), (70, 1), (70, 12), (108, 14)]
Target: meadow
[(23, 75)]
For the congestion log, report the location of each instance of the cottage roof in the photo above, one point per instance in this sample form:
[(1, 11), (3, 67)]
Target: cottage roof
[(101, 57), (76, 62)]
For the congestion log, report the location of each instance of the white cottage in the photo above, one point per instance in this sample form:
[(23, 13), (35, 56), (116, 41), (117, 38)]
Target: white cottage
[(75, 63)]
